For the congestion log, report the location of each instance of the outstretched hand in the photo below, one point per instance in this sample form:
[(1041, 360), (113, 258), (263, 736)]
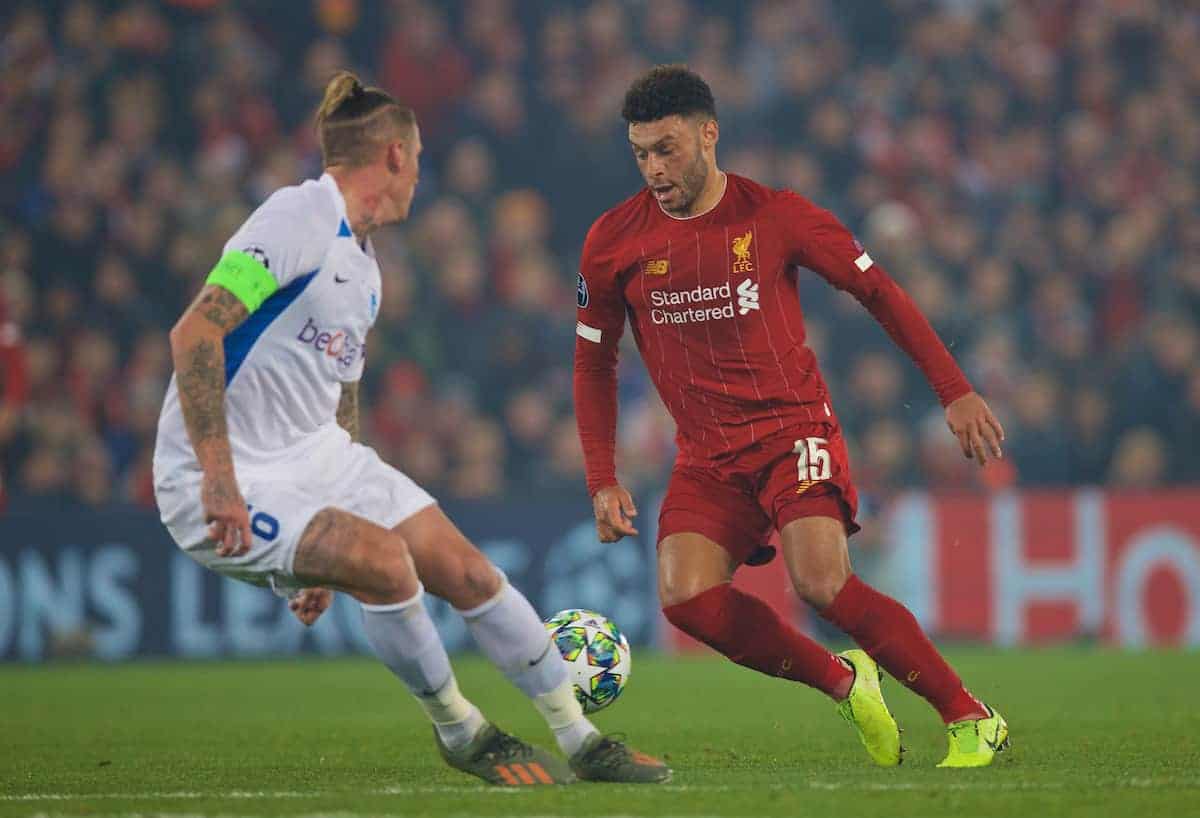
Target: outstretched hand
[(309, 603), (978, 432), (615, 511)]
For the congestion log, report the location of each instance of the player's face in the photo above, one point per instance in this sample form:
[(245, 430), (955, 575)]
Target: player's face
[(671, 155), (408, 173)]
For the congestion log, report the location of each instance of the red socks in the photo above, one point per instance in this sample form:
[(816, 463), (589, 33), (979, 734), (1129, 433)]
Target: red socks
[(749, 632), (889, 632)]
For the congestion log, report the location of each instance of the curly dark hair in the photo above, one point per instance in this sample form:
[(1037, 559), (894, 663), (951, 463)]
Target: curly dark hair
[(666, 90)]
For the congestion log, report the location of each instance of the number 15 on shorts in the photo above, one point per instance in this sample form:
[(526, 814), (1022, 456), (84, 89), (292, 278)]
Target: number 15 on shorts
[(812, 461)]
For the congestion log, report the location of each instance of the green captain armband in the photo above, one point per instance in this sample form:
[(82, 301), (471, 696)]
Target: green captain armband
[(244, 276)]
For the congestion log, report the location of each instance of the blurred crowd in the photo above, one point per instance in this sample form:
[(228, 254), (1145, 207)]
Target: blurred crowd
[(1028, 170)]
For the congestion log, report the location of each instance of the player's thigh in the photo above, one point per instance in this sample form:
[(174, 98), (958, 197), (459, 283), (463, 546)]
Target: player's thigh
[(449, 565), (280, 508), (817, 556), (346, 552), (809, 476), (689, 564), (707, 528), (811, 500)]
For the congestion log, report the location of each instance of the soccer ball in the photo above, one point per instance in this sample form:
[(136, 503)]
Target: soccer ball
[(597, 655)]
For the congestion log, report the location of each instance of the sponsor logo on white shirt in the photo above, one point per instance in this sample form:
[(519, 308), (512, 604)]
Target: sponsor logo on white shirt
[(336, 344)]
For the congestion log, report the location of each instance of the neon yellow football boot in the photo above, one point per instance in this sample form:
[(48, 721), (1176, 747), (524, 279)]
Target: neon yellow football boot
[(865, 709), (974, 743)]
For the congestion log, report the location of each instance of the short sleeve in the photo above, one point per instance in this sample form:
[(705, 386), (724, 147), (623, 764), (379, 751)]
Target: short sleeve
[(285, 238)]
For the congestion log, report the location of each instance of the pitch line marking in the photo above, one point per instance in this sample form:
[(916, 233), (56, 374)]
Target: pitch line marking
[(342, 814), (812, 784), (250, 795)]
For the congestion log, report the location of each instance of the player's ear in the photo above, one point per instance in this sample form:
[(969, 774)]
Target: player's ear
[(710, 132), (396, 156)]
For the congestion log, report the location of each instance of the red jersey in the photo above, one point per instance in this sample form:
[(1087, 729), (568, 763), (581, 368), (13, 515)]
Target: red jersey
[(715, 310)]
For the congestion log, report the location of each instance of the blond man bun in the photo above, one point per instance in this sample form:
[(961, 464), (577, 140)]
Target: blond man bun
[(344, 86), (354, 121)]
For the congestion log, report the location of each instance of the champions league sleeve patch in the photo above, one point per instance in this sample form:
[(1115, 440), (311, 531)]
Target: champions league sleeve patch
[(258, 254), (863, 262), (581, 291)]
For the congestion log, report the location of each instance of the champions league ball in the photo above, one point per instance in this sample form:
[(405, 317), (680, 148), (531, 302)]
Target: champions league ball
[(597, 655)]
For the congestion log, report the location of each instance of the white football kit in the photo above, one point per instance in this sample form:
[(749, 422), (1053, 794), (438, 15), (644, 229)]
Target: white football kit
[(284, 367)]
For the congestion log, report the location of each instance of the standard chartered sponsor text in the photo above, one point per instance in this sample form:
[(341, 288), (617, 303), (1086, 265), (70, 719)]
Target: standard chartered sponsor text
[(697, 295)]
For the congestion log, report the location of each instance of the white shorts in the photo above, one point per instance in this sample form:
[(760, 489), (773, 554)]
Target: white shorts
[(283, 497)]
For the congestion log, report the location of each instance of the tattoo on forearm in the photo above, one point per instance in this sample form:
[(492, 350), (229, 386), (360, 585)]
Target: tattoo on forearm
[(221, 307), (201, 384), (347, 411), (200, 372)]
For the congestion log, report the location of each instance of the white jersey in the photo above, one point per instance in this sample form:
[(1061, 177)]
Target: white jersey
[(285, 364)]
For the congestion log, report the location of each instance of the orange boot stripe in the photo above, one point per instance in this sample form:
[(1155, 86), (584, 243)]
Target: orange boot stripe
[(520, 770), (541, 774), (508, 777)]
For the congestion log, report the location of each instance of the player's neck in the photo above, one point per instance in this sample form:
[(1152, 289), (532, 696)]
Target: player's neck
[(709, 198), (362, 203)]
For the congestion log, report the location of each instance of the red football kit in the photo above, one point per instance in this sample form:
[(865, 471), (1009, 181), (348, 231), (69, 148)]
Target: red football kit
[(715, 310), (714, 307)]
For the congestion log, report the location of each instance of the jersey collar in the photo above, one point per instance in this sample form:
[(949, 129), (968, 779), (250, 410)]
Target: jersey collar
[(339, 201), (339, 204)]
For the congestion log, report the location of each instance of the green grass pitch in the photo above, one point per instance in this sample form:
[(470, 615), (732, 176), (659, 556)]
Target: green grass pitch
[(1094, 734)]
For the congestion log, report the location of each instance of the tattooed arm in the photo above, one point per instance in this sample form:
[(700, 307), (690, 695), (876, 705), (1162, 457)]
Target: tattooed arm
[(198, 352), (347, 411)]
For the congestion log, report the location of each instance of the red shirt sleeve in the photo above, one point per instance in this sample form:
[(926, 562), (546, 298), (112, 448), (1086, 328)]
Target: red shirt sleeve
[(824, 245), (14, 368), (600, 323)]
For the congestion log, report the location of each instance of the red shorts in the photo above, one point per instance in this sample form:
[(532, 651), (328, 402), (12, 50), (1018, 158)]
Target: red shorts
[(802, 472)]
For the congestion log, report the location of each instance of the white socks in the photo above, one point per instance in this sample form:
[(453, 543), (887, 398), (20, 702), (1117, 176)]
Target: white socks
[(562, 712), (512, 636), (405, 639)]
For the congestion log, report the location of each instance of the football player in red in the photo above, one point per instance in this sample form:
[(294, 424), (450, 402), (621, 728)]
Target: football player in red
[(705, 264)]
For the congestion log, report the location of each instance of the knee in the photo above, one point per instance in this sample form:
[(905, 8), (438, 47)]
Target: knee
[(820, 588), (680, 614), (678, 590), (704, 616), (690, 567), (458, 572), (477, 581), (394, 571)]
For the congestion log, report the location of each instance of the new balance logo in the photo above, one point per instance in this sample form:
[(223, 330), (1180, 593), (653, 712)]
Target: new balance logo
[(747, 297)]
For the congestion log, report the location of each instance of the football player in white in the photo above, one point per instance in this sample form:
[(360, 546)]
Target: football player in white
[(259, 474)]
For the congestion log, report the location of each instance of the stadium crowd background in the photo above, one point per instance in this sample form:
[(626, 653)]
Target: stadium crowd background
[(1028, 170)]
